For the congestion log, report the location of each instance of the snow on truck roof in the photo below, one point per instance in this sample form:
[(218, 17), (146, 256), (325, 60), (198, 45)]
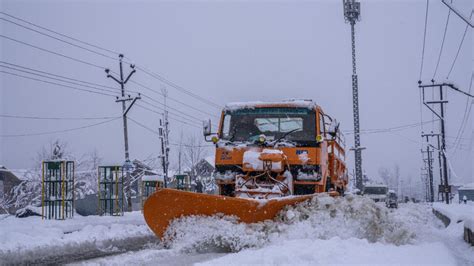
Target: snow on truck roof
[(469, 186), (159, 178), (290, 103), (375, 185)]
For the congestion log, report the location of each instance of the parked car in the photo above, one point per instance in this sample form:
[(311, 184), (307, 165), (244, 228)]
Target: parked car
[(391, 201)]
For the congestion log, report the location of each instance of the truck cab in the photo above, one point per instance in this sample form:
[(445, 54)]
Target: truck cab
[(267, 150)]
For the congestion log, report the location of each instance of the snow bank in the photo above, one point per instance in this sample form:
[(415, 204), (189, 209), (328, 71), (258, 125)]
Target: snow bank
[(456, 212), (338, 251), (323, 217), (27, 238)]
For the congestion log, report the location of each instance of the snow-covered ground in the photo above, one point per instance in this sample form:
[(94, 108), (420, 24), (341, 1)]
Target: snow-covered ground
[(327, 230), (340, 231), (33, 239), (458, 212)]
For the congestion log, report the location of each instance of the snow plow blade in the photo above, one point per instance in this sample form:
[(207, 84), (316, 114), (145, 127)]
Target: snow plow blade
[(167, 204)]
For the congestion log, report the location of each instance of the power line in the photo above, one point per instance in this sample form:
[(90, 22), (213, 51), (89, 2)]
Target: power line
[(188, 117), (65, 81), (467, 112), (57, 131), (59, 76), (424, 39), (52, 52), (57, 84), (113, 90), (57, 118), (391, 129), (95, 65), (88, 63), (59, 39), (459, 48), (154, 75), (442, 42), (153, 111), (158, 134), (162, 108), (60, 34), (183, 90), (100, 89), (171, 98)]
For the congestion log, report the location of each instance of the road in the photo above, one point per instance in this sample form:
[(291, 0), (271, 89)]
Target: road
[(415, 236)]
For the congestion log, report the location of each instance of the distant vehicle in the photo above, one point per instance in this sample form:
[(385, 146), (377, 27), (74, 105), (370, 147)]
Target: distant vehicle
[(377, 193), (392, 199)]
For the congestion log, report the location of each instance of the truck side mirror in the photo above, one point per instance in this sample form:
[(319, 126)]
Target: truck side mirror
[(333, 128), (206, 128)]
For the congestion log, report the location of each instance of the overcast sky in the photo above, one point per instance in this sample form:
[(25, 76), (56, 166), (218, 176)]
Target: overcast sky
[(230, 51)]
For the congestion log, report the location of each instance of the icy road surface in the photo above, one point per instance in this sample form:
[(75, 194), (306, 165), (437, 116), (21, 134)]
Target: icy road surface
[(338, 231)]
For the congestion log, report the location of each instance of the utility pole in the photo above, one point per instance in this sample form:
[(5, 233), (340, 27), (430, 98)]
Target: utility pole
[(445, 184), (352, 15), (164, 138), (429, 162), (123, 99)]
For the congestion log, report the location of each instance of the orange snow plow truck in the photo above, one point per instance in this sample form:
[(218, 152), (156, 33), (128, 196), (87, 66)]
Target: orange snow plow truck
[(268, 155)]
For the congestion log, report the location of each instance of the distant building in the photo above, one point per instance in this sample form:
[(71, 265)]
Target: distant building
[(466, 190)]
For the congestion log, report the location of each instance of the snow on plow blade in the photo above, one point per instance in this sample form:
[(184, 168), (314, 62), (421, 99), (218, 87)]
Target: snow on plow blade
[(168, 204)]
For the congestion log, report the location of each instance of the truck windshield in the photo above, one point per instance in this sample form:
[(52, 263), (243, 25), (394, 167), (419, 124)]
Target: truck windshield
[(249, 124), (375, 190)]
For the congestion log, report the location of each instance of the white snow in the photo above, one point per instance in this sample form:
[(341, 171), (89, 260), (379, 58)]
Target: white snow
[(33, 236), (456, 212), (338, 251), (349, 230), (251, 105), (467, 187), (251, 159), (303, 157), (159, 178)]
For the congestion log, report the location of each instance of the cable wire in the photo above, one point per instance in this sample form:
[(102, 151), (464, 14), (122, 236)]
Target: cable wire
[(59, 39), (57, 118), (158, 134), (65, 81), (442, 42), (154, 75), (52, 52), (60, 34), (175, 119), (459, 48), (57, 84), (172, 99), (183, 90), (59, 76), (57, 131), (424, 39), (467, 112)]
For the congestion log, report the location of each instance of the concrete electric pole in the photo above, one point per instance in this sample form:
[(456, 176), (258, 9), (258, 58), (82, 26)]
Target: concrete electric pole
[(128, 164), (352, 15)]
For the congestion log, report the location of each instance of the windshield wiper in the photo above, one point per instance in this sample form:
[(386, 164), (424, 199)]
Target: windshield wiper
[(285, 135), (234, 129)]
